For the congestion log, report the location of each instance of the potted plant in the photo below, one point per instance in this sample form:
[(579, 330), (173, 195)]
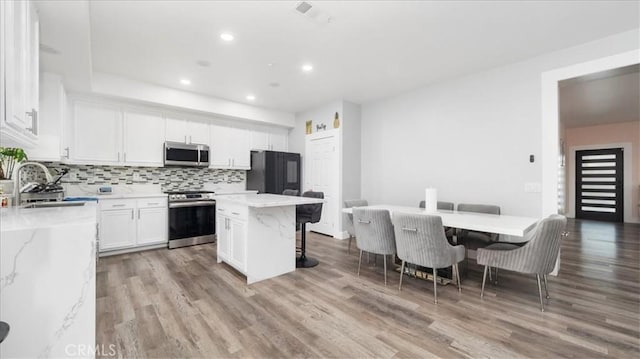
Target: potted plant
[(9, 157)]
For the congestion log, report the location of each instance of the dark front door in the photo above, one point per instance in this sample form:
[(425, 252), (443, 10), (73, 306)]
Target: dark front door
[(599, 184)]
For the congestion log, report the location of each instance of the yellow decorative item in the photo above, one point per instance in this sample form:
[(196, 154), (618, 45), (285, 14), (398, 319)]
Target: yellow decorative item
[(309, 127), (336, 121)]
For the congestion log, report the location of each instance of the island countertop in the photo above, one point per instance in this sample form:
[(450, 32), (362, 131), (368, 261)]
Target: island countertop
[(267, 200), (17, 218)]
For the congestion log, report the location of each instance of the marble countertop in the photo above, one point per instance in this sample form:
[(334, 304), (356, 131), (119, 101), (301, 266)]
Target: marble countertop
[(129, 195), (267, 200), (16, 218), (228, 192)]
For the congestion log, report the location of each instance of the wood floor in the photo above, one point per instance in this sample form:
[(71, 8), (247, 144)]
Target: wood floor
[(180, 303)]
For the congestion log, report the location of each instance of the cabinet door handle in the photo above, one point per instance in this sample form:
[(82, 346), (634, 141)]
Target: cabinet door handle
[(235, 213), (138, 213), (152, 204), (118, 156), (118, 205), (66, 150), (185, 138), (125, 157), (132, 214)]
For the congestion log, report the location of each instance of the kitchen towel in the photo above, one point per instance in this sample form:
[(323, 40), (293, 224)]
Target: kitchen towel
[(431, 200)]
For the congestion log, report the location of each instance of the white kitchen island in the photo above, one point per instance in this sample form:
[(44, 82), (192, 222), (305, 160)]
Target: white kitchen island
[(48, 281), (257, 233)]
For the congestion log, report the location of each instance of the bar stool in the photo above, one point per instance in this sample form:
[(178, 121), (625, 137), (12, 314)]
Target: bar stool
[(307, 213), (4, 331)]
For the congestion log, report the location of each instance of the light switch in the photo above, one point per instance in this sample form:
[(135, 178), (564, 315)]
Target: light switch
[(533, 187)]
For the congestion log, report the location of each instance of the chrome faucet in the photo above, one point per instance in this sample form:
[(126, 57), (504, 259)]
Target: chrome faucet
[(16, 178)]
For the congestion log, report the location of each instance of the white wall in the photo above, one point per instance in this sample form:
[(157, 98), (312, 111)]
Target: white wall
[(351, 151), (469, 137)]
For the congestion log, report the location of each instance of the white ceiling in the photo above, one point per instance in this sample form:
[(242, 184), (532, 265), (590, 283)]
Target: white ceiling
[(361, 51), (601, 98)]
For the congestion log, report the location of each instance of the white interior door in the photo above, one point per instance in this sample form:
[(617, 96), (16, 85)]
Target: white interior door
[(322, 175)]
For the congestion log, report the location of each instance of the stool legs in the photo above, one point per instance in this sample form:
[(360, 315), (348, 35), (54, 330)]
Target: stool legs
[(303, 261)]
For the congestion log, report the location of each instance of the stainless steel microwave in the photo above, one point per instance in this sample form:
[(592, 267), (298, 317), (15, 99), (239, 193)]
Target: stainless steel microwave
[(186, 154)]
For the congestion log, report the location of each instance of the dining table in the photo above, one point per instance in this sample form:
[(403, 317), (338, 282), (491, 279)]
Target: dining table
[(510, 228)]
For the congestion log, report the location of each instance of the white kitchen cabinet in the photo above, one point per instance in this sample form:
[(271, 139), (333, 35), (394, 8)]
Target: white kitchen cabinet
[(53, 107), (20, 70), (230, 148), (269, 140), (187, 131), (231, 233), (143, 138), (222, 236), (131, 223), (97, 134), (152, 226), (279, 141), (238, 243), (117, 229), (107, 134)]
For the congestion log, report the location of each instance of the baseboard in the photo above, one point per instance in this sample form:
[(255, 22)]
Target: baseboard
[(131, 250)]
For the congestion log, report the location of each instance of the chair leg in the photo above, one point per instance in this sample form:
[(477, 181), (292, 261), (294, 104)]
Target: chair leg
[(484, 279), (546, 285), (359, 262), (349, 247), (401, 275), (458, 277), (384, 258), (435, 284), (490, 275), (540, 293)]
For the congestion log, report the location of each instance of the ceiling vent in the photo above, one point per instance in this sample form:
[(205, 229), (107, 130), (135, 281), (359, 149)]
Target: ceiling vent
[(303, 7)]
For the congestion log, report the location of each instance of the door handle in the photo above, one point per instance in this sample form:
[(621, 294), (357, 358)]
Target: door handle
[(138, 213)]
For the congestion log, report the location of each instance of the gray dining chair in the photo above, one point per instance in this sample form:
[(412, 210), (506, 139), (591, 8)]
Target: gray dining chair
[(475, 239), (447, 206), (420, 240), (374, 234), (538, 256), (349, 217)]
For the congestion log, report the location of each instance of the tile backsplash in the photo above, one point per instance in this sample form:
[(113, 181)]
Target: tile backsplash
[(169, 178)]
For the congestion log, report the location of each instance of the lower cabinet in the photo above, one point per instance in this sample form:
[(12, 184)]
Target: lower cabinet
[(131, 223), (232, 239)]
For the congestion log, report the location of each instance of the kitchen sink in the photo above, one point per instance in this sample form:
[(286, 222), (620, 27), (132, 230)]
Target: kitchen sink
[(53, 204)]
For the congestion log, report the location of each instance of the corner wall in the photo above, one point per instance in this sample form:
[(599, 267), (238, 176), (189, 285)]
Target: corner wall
[(469, 137)]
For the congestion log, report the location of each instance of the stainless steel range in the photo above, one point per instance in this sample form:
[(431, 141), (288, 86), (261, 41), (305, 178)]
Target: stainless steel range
[(192, 218)]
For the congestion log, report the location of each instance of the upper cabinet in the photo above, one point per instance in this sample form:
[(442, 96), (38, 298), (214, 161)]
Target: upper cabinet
[(230, 148), (144, 135), (53, 109), (269, 140), (187, 131), (112, 135), (97, 134), (20, 31)]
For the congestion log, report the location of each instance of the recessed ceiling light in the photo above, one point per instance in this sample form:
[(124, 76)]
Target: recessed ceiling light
[(203, 63), (251, 97), (307, 67), (185, 81), (274, 84), (226, 36)]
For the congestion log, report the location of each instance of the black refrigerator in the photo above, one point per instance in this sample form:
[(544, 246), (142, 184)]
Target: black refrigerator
[(273, 172)]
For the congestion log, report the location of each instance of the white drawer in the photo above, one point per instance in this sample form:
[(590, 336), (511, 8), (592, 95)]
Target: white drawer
[(233, 210), (107, 204), (156, 202)]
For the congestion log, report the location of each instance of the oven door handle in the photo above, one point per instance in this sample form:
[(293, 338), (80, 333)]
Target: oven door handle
[(192, 204)]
